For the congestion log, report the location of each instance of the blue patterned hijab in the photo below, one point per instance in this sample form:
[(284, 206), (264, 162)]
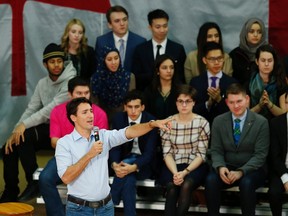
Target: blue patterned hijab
[(110, 87)]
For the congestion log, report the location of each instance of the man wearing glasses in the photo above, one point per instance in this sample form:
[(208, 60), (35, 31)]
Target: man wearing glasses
[(211, 84)]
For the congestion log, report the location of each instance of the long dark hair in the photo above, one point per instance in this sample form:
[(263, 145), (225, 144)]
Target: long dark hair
[(278, 70), (156, 78), (202, 39)]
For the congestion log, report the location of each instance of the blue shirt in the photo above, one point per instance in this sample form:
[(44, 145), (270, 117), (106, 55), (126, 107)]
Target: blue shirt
[(92, 184), (242, 118)]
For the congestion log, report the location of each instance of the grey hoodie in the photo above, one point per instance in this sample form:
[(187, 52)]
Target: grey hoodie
[(46, 96)]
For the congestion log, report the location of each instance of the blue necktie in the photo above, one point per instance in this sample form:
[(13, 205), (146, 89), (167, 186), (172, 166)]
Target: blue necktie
[(121, 51), (213, 81), (236, 131)]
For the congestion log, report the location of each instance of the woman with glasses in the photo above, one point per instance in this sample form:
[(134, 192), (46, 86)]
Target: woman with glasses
[(267, 85), (184, 151), (208, 32), (252, 36)]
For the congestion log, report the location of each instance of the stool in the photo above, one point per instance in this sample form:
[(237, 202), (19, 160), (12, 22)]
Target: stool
[(16, 209)]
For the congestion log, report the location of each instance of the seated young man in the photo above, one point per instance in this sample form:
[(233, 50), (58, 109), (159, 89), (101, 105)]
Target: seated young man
[(131, 161), (278, 173), (239, 147), (31, 133)]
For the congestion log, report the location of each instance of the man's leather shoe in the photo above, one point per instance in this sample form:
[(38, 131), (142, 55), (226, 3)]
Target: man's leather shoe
[(7, 197), (30, 192)]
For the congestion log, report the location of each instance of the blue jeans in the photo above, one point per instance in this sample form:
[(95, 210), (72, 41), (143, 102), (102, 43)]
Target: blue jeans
[(247, 186), (48, 181), (73, 209)]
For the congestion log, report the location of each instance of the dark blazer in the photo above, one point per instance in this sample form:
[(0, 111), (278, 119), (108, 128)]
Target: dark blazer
[(242, 66), (143, 62), (108, 40), (278, 142), (250, 153), (147, 142), (200, 83), (87, 63)]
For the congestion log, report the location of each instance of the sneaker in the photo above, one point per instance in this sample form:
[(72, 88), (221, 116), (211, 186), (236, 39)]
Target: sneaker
[(30, 192)]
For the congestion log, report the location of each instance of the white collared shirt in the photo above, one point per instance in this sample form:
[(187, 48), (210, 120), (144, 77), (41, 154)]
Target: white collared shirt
[(162, 49), (135, 148), (118, 43), (242, 118)]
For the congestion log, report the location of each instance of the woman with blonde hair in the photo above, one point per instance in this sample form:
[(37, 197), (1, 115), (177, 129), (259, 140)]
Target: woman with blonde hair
[(76, 49)]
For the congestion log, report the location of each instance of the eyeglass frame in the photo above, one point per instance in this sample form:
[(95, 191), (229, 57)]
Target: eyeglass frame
[(213, 60), (182, 102)]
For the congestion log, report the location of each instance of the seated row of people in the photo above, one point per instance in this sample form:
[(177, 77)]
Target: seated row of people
[(164, 73), (138, 55)]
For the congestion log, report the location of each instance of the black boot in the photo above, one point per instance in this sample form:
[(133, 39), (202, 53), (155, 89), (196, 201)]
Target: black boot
[(30, 192)]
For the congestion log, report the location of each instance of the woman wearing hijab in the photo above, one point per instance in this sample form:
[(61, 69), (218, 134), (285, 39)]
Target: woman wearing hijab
[(252, 36), (111, 82)]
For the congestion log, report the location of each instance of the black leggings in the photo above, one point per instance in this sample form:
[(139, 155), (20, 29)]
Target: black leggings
[(178, 198)]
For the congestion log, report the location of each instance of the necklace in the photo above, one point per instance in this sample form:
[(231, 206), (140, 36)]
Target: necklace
[(165, 95)]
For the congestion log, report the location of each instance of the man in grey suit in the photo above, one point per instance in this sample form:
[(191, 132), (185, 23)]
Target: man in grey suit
[(239, 147), (119, 36)]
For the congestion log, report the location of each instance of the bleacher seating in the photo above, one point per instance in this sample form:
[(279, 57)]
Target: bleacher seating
[(153, 198)]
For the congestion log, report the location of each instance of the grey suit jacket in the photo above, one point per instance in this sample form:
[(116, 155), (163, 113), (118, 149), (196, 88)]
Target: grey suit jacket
[(250, 153)]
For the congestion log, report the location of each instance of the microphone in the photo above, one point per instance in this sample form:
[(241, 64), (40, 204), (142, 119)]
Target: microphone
[(96, 133)]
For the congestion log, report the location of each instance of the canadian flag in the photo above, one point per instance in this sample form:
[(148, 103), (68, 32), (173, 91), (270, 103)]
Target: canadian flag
[(27, 26)]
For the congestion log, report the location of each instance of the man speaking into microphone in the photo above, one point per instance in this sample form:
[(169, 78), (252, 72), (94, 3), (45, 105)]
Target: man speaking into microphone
[(82, 162)]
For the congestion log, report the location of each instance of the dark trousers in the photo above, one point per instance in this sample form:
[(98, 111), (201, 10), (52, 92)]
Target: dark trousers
[(276, 195), (247, 186), (35, 138), (125, 189)]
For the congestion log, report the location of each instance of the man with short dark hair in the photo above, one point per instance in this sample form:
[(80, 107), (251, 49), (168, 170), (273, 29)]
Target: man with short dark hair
[(82, 158), (119, 36), (211, 84), (146, 53), (239, 147), (59, 127), (31, 133), (133, 160)]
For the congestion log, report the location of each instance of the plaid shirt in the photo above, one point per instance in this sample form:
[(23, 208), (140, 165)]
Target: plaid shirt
[(186, 141)]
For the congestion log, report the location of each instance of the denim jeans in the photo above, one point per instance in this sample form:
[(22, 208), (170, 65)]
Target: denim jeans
[(73, 209), (48, 181)]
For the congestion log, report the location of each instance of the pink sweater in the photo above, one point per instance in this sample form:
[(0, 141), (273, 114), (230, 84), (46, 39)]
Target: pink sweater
[(60, 125)]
